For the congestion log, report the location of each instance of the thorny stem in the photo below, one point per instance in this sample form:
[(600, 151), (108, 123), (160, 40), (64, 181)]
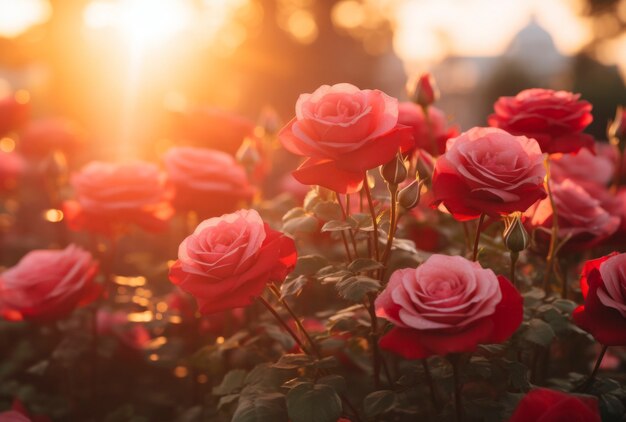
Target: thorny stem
[(477, 238), (366, 187), (554, 233), (589, 381)]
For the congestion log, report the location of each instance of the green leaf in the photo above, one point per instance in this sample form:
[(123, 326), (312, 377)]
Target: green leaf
[(294, 286), (294, 213), (226, 400), (355, 288), (337, 382), (364, 264), (293, 361), (378, 402), (313, 403), (261, 408), (337, 225), (539, 332), (363, 222), (310, 264), (328, 211), (304, 224), (564, 305), (233, 381)]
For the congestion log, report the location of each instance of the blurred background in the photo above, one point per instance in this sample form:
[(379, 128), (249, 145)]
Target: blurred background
[(118, 67)]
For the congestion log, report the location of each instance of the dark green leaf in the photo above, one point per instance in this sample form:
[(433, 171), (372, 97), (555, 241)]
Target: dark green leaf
[(304, 224), (233, 381), (313, 403), (364, 264), (293, 361), (261, 408), (337, 225), (355, 288), (378, 402), (539, 332), (327, 211), (294, 286), (310, 264)]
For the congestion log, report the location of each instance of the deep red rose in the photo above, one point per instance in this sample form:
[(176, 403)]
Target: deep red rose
[(14, 113), (12, 167), (41, 137), (543, 405), (432, 136), (603, 285), (48, 284), (555, 119), (208, 181), (487, 170), (447, 305), (344, 131), (581, 216), (228, 261), (111, 196)]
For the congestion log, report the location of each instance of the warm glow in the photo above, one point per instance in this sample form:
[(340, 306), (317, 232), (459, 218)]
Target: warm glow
[(53, 215), (17, 16), (7, 145)]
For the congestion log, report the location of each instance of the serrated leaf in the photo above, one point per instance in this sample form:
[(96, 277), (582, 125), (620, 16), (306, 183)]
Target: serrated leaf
[(313, 403), (327, 211), (233, 381), (539, 332), (355, 288), (364, 264), (336, 225), (378, 402)]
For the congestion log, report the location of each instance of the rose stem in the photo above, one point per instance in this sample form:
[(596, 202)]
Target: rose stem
[(283, 323), (477, 238), (345, 214), (458, 400), (393, 191), (514, 256), (303, 330), (554, 233), (431, 385), (468, 239), (431, 135), (373, 214), (374, 339), (589, 381)]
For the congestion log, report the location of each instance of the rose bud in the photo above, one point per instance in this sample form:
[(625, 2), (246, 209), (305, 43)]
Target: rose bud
[(515, 235), (394, 172), (409, 196), (248, 154), (426, 90), (617, 129)]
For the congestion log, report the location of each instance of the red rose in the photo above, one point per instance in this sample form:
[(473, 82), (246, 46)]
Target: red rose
[(12, 166), (555, 119), (581, 216), (48, 284), (111, 196), (543, 405), (487, 170), (44, 136), (603, 285), (447, 305), (432, 139), (229, 260), (344, 132), (426, 91), (14, 113), (206, 180), (211, 128)]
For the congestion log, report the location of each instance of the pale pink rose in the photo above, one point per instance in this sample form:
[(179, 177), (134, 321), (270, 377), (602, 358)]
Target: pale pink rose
[(229, 260), (488, 171), (447, 305), (206, 180), (581, 216), (583, 167), (48, 284)]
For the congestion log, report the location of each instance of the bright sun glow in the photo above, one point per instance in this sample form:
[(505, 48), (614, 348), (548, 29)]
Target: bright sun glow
[(17, 16)]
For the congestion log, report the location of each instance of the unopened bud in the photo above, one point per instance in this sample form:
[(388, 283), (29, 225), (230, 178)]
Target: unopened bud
[(426, 91), (394, 172), (515, 235), (409, 196), (248, 154), (269, 121), (617, 129)]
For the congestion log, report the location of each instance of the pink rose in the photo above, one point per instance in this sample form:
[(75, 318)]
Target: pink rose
[(487, 170), (44, 136), (228, 261), (580, 215), (111, 196), (555, 119), (583, 167), (344, 131), (48, 284), (447, 305), (431, 139), (206, 180)]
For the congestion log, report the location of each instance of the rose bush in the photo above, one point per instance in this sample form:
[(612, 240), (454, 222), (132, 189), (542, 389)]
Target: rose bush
[(229, 260), (603, 285), (48, 284), (546, 405), (555, 119), (110, 196), (344, 131), (208, 181), (487, 170), (447, 305)]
